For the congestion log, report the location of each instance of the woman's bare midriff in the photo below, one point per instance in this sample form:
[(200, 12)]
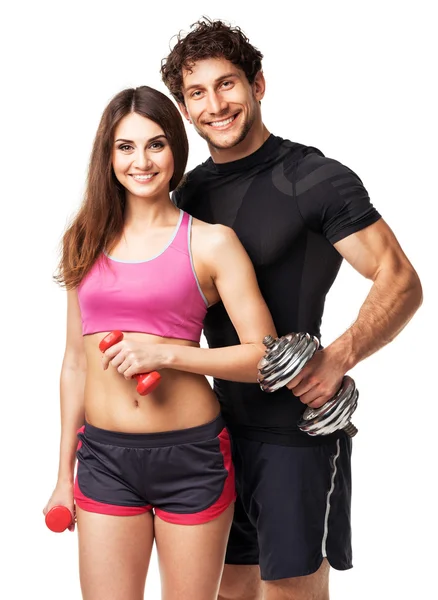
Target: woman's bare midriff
[(180, 401)]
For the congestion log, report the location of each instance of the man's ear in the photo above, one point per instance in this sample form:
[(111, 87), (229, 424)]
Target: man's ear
[(259, 86), (184, 111)]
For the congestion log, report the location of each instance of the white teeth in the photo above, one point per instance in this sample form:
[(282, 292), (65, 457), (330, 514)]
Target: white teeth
[(222, 123), (143, 177)]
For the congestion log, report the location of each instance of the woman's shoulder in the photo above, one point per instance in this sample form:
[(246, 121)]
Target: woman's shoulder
[(212, 241), (213, 235)]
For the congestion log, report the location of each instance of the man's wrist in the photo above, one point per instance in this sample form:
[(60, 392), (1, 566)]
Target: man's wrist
[(343, 349)]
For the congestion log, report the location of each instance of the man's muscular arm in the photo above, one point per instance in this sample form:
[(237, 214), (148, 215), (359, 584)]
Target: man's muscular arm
[(395, 296)]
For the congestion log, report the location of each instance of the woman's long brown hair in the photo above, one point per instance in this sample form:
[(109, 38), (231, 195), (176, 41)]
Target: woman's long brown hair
[(98, 225)]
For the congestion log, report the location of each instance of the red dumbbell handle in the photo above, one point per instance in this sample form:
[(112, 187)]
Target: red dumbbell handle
[(146, 382), (58, 519)]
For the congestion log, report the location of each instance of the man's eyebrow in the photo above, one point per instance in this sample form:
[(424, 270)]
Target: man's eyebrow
[(152, 139), (221, 78)]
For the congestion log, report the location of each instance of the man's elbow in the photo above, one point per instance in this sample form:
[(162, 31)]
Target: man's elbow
[(413, 289)]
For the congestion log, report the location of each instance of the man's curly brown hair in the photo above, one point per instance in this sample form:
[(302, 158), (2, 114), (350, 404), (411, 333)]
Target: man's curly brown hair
[(209, 39)]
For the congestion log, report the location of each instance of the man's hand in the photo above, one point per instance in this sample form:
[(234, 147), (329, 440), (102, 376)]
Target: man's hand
[(130, 357), (319, 380)]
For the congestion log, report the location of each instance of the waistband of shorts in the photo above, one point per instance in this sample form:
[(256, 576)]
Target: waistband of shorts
[(283, 438), (200, 433)]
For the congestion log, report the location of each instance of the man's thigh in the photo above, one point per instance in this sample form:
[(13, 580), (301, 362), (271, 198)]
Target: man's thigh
[(297, 500)]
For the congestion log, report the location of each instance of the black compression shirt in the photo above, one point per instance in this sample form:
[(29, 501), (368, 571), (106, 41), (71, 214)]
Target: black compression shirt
[(288, 204)]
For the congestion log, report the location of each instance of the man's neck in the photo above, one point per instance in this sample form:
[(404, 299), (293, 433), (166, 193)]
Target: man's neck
[(253, 141)]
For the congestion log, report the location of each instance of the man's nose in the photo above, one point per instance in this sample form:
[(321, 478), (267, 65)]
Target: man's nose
[(216, 104)]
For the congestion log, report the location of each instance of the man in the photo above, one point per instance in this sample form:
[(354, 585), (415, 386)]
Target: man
[(298, 215)]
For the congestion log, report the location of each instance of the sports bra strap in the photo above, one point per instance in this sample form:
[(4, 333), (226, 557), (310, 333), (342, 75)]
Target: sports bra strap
[(182, 239)]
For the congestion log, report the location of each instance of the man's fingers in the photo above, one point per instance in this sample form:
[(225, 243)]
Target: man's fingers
[(310, 396), (315, 398), (295, 381)]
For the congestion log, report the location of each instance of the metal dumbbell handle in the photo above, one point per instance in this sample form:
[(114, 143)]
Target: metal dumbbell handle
[(283, 360)]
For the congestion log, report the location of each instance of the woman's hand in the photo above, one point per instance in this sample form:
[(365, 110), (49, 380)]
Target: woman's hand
[(130, 357), (63, 496)]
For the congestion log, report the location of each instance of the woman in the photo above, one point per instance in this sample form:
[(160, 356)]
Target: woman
[(156, 466)]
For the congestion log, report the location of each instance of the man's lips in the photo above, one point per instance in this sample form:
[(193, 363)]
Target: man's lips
[(222, 123)]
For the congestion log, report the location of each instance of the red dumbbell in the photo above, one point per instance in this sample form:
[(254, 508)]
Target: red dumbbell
[(58, 519), (147, 382)]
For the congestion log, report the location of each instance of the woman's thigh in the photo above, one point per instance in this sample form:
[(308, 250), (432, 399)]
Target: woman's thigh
[(114, 554), (191, 557)]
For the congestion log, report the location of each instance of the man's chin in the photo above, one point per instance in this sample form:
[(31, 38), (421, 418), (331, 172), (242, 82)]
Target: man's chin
[(223, 142)]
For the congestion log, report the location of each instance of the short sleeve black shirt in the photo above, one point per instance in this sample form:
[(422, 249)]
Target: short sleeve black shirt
[(288, 204)]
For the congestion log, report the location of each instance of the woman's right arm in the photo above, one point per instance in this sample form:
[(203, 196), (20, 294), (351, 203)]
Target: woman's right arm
[(72, 386)]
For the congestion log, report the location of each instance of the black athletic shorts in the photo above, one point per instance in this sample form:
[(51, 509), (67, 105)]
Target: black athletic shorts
[(293, 507), (185, 476)]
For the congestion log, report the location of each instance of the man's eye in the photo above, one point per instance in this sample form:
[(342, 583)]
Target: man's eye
[(196, 94)]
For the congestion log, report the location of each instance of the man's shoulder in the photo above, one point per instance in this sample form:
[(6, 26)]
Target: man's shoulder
[(301, 156), (312, 160)]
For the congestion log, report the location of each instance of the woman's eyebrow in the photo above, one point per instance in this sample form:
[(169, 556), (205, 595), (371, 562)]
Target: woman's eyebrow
[(152, 139)]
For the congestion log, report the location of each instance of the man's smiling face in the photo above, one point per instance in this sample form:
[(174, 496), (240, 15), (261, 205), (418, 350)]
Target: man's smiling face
[(219, 101)]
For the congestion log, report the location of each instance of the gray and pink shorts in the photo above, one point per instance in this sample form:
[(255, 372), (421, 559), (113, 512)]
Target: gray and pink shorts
[(185, 476)]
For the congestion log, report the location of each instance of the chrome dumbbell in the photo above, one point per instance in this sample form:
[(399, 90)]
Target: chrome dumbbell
[(283, 360)]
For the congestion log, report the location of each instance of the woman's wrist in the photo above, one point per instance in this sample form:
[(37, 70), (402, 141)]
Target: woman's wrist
[(66, 475), (64, 481), (169, 356)]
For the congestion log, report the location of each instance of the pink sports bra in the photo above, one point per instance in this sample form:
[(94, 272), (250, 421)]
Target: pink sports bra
[(160, 296)]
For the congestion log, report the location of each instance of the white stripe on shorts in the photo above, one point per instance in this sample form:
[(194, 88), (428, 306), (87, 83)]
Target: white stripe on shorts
[(327, 510)]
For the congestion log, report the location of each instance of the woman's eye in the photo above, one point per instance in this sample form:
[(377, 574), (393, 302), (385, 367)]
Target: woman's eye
[(157, 146), (125, 147)]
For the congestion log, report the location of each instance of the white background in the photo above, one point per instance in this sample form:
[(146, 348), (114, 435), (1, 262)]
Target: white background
[(354, 79)]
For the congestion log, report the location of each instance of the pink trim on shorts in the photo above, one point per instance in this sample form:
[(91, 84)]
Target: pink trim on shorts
[(102, 508), (226, 498), (81, 430)]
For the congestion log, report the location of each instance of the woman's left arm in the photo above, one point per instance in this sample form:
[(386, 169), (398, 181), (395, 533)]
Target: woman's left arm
[(233, 276)]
